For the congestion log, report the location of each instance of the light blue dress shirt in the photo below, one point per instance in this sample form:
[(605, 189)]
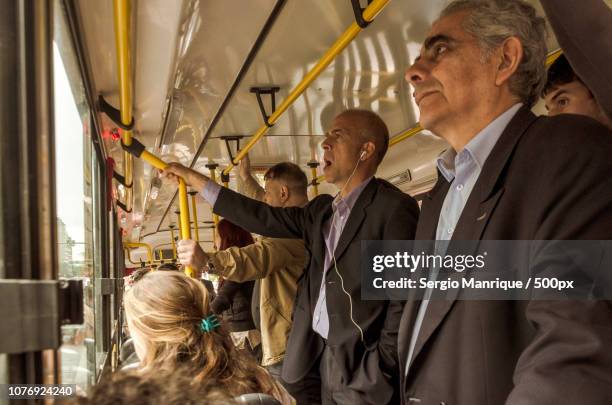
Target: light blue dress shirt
[(461, 170), (342, 208)]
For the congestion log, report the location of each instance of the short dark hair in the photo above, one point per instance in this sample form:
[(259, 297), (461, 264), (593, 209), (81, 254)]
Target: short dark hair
[(371, 128), (560, 72), (290, 174)]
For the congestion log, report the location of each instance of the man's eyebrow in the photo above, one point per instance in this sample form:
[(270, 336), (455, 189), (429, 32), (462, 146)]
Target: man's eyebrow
[(559, 93), (431, 41)]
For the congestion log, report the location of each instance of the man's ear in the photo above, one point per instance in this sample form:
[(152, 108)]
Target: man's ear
[(510, 57), (284, 193), (369, 148)]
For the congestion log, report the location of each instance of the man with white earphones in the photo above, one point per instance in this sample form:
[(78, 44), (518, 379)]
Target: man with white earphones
[(349, 342)]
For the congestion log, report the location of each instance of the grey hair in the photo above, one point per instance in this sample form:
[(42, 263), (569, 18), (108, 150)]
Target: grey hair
[(494, 21)]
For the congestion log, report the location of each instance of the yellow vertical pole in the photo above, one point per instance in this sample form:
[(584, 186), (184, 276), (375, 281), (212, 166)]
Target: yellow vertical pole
[(184, 219), (172, 241), (178, 221), (313, 164), (194, 208), (213, 177), (121, 16)]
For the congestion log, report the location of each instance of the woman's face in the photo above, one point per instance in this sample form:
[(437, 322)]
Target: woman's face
[(217, 240), (140, 342)]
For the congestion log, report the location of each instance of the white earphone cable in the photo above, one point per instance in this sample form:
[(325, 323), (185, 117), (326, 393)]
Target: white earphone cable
[(334, 254)]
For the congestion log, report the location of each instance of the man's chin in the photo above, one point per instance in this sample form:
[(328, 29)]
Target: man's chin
[(329, 176), (427, 120)]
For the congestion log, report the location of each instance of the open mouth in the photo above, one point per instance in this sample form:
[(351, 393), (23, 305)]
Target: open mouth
[(326, 163)]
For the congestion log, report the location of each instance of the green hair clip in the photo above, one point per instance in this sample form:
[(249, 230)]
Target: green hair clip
[(210, 323)]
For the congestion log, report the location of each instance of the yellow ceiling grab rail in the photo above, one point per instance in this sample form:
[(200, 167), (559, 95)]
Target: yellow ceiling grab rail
[(368, 15)]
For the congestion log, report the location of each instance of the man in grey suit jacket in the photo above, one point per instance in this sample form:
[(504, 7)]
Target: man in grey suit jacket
[(508, 175)]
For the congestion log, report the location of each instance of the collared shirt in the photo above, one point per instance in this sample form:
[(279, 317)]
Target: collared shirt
[(461, 170), (332, 229), (341, 208)]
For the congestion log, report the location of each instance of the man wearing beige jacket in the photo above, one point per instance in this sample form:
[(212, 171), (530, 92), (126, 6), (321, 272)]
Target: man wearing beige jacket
[(275, 264)]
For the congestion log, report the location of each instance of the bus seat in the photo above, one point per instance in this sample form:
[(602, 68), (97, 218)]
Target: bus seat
[(257, 399), (127, 349), (130, 366)]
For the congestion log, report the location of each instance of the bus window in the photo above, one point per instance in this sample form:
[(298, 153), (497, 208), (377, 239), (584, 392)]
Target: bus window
[(78, 229)]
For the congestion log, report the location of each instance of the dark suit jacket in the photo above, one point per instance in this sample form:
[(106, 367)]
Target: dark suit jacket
[(381, 212), (545, 179)]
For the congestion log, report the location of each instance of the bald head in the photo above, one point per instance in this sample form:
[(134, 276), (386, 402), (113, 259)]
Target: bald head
[(369, 127)]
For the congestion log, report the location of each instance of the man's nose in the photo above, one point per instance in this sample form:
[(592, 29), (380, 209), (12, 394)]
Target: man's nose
[(416, 73), (325, 143)]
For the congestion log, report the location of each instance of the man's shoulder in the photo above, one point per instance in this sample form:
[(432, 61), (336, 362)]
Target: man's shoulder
[(567, 135), (320, 201), (389, 193)]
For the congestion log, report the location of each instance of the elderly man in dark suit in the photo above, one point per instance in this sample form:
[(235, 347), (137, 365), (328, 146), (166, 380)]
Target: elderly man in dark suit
[(508, 175), (351, 343)]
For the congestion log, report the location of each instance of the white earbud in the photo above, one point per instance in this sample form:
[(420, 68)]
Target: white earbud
[(362, 156)]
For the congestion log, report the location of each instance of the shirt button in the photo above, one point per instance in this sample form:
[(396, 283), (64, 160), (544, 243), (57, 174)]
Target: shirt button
[(450, 230), (460, 187)]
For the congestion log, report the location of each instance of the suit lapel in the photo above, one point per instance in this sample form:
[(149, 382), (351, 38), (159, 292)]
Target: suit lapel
[(318, 256), (474, 218), (426, 231), (355, 219), (430, 210)]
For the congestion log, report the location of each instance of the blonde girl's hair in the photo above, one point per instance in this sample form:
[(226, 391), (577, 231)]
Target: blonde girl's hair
[(166, 308)]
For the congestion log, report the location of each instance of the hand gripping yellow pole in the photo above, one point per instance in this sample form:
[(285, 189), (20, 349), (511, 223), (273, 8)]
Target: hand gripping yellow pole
[(184, 217), (136, 148)]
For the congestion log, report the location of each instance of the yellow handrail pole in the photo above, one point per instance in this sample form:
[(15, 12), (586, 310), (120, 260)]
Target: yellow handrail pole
[(178, 220), (129, 255), (194, 208), (315, 184), (313, 164), (406, 134), (121, 13), (140, 244), (213, 177), (184, 219), (153, 160), (368, 15), (172, 241), (552, 56)]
